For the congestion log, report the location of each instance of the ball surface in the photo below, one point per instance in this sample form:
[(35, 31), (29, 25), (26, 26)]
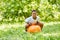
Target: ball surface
[(34, 28)]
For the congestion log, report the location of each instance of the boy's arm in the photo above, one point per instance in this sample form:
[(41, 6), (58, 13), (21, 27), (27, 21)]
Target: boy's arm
[(27, 22)]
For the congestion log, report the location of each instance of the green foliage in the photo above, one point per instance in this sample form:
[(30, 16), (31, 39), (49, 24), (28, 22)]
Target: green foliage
[(20, 9)]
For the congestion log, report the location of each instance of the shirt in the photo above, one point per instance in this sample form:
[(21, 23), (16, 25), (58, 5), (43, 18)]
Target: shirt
[(31, 20)]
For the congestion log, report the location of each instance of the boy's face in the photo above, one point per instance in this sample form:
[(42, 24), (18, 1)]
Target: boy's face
[(34, 14)]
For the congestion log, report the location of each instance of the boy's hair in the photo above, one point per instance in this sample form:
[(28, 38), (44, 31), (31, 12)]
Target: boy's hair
[(33, 10)]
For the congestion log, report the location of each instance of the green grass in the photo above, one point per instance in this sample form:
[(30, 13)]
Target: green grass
[(17, 32)]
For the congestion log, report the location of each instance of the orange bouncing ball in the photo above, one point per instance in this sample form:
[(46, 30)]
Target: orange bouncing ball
[(34, 28)]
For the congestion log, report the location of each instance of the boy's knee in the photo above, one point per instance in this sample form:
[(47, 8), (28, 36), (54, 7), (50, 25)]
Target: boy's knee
[(41, 24), (27, 25)]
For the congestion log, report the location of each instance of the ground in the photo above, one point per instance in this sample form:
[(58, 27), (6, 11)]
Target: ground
[(16, 31)]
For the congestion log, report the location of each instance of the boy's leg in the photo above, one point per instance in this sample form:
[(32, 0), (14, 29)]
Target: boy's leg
[(27, 25), (40, 24)]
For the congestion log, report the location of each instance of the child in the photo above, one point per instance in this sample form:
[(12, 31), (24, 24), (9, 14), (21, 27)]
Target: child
[(34, 19)]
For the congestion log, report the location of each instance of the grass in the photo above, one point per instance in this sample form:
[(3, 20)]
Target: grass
[(17, 32)]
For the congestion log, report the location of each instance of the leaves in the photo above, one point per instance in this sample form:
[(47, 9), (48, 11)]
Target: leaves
[(22, 8)]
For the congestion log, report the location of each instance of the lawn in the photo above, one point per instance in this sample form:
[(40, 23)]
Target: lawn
[(16, 31)]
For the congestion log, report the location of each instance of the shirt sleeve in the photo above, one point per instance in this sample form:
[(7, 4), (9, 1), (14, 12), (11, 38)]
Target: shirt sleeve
[(38, 18), (27, 20)]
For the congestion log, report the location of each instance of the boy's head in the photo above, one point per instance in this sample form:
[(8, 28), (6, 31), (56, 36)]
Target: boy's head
[(34, 14)]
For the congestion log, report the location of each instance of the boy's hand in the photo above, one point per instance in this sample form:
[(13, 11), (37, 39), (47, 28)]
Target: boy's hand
[(30, 24)]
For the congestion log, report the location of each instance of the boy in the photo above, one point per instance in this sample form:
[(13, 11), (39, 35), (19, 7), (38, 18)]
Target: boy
[(34, 19)]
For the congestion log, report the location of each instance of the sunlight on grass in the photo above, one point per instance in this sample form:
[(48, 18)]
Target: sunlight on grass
[(16, 31)]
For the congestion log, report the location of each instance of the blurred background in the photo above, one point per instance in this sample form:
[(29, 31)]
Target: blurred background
[(14, 12), (19, 10)]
